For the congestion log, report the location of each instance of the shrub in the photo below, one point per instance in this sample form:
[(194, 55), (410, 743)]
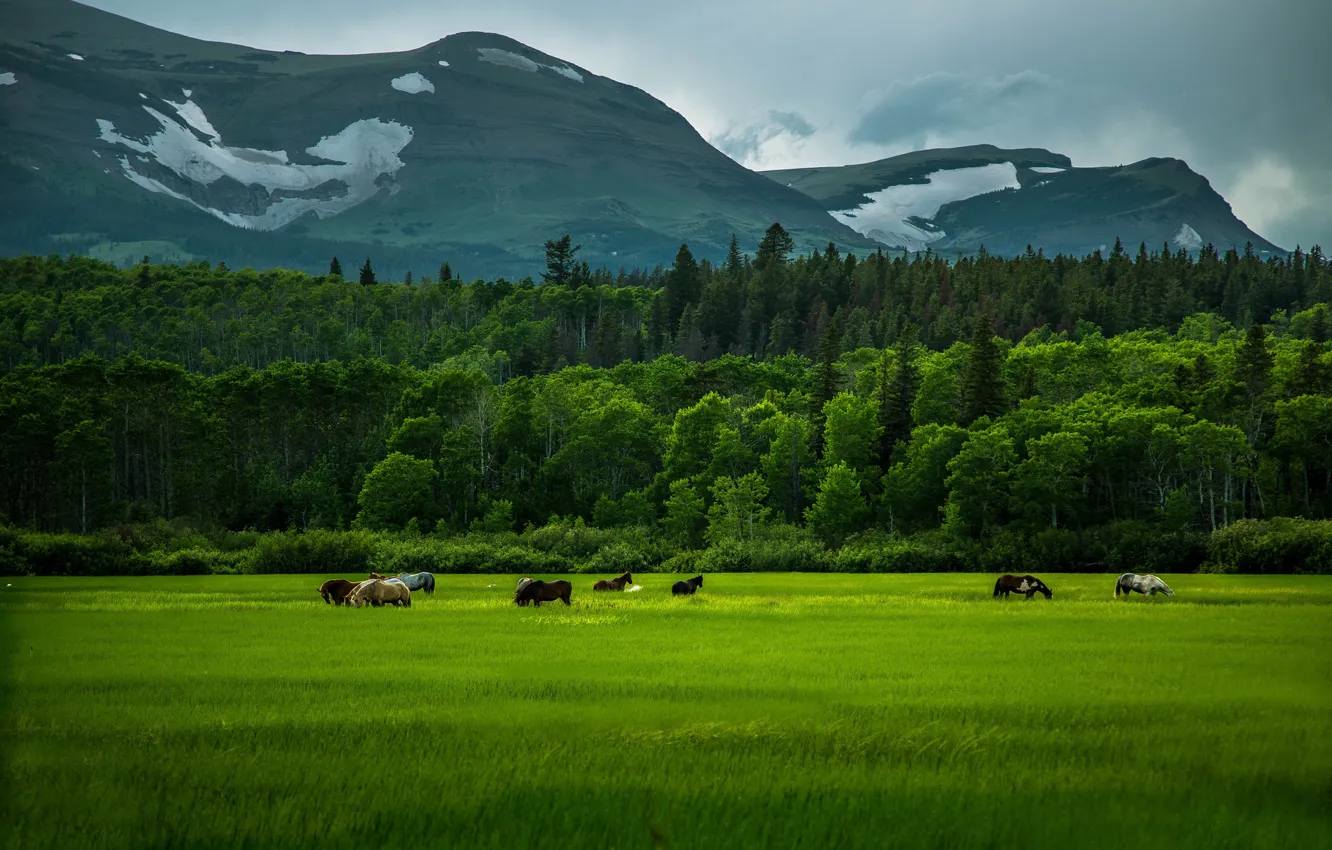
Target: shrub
[(312, 552), (1283, 545)]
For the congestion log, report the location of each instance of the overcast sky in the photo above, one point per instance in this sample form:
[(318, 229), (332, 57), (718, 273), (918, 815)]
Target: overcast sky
[(1240, 89)]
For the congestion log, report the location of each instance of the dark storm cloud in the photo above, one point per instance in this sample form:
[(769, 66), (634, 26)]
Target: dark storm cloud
[(745, 142), (944, 102), (1237, 88)]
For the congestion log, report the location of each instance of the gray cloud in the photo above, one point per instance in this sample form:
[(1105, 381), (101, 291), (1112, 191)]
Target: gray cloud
[(744, 143), (943, 102), (1236, 88)]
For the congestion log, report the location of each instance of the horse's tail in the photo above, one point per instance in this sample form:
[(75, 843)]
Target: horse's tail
[(429, 586)]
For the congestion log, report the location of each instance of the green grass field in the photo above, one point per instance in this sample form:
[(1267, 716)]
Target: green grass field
[(771, 710)]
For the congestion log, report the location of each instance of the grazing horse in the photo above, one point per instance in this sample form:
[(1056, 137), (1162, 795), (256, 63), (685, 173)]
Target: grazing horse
[(377, 592), (418, 581), (616, 583), (1028, 585), (687, 588), (1147, 585), (336, 590), (537, 591)]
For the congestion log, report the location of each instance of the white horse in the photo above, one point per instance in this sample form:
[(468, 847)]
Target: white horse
[(1147, 585)]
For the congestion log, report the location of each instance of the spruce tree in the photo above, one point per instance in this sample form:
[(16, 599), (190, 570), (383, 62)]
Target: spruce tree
[(445, 273), (734, 263), (560, 263), (776, 244), (335, 269), (983, 392), (897, 394), (683, 287), (368, 274), (408, 280), (826, 377)]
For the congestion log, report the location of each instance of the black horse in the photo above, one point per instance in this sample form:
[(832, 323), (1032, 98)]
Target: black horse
[(687, 588), (1021, 584), (539, 591)]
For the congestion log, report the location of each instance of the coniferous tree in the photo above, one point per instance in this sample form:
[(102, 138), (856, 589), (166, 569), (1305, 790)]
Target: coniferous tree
[(560, 262), (445, 273), (983, 385), (775, 247), (368, 274), (734, 263), (897, 393), (335, 268), (683, 287), (408, 279), (826, 377)]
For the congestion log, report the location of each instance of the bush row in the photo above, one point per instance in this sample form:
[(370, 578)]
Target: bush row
[(1250, 546)]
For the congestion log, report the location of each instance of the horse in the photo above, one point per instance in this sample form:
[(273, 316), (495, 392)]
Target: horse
[(418, 581), (687, 588), (522, 582), (336, 590), (377, 592), (1146, 585), (1028, 585), (616, 583), (537, 591)]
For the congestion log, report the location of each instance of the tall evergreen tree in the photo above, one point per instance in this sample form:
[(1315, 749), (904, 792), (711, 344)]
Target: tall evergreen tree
[(368, 274), (445, 273), (775, 247), (560, 262), (983, 392), (826, 377), (335, 268), (683, 287), (734, 264), (897, 393)]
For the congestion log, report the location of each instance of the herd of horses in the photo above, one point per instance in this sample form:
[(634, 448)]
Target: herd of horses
[(1126, 584), (378, 590)]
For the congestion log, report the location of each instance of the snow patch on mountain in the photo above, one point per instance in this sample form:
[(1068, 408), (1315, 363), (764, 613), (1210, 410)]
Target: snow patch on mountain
[(413, 84), (898, 216), (495, 56), (443, 64), (358, 156), (76, 57), (1187, 238), (188, 93), (1045, 169), (8, 78)]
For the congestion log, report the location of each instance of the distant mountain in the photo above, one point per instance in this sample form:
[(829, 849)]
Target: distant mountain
[(120, 139), (958, 199)]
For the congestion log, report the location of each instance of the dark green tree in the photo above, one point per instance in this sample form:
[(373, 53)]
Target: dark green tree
[(368, 274), (335, 268), (983, 391), (560, 262), (445, 273), (826, 379), (683, 287), (897, 393)]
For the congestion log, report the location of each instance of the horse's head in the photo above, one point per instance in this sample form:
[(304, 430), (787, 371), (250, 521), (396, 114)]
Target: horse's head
[(1041, 588), (376, 576)]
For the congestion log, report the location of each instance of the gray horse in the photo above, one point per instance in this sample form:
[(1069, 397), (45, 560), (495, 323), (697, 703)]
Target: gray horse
[(418, 581), (1147, 585)]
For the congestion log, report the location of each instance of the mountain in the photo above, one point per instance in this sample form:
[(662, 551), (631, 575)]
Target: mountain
[(959, 199), (119, 139)]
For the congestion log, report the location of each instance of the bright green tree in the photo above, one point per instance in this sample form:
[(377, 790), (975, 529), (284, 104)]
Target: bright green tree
[(685, 519), (398, 489), (839, 510)]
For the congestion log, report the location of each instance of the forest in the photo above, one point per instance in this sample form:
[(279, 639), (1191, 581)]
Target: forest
[(819, 412)]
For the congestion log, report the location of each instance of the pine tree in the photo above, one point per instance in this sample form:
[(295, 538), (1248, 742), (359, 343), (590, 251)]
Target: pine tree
[(897, 394), (734, 263), (335, 269), (774, 248), (826, 377), (445, 273), (983, 392), (1253, 362), (560, 263), (368, 274), (683, 287), (408, 280)]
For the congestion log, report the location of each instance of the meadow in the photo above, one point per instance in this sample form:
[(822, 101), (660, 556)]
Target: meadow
[(773, 710)]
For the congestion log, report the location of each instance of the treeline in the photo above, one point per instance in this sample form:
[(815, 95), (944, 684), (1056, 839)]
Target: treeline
[(208, 318), (1061, 440)]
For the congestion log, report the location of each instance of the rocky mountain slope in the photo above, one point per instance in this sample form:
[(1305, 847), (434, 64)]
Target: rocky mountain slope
[(120, 139), (958, 199)]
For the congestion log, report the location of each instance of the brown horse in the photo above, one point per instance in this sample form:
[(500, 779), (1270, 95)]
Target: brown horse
[(378, 592), (336, 590), (616, 583), (539, 591), (1028, 585)]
